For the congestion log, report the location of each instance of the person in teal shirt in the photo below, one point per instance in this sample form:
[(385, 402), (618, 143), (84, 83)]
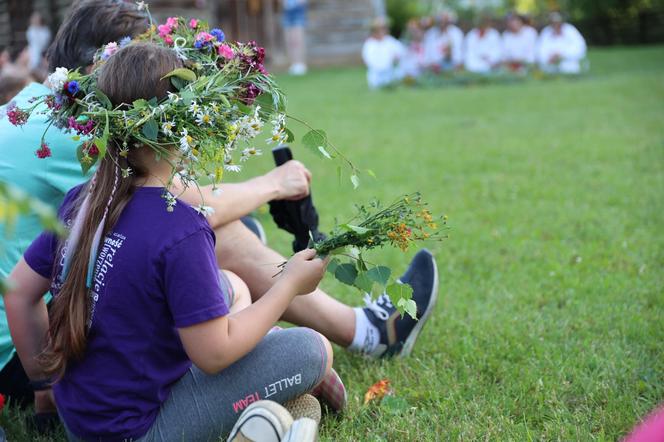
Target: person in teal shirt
[(48, 179)]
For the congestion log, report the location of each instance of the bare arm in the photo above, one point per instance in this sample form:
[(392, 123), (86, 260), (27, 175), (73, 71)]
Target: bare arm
[(235, 200), (216, 344), (27, 316)]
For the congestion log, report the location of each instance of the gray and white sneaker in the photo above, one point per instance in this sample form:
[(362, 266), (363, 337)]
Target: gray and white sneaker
[(268, 421)]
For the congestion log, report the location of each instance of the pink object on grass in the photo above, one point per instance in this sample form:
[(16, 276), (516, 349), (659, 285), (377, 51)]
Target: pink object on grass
[(650, 430)]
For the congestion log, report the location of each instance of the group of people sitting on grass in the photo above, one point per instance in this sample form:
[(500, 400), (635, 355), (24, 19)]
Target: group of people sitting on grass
[(145, 338), (439, 46)]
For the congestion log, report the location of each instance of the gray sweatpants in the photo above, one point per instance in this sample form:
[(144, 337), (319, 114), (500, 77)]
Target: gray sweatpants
[(201, 407)]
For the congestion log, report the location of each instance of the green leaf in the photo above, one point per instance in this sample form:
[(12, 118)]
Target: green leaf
[(371, 173), (179, 83), (324, 152), (407, 306), (183, 73), (247, 110), (313, 140), (346, 273), (360, 265), (187, 96), (355, 180), (150, 129), (351, 228), (332, 265), (363, 282), (400, 294), (140, 104), (290, 136), (85, 167), (394, 404), (103, 99), (380, 275), (102, 142)]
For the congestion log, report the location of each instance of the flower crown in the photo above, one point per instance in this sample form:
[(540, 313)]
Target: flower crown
[(224, 98)]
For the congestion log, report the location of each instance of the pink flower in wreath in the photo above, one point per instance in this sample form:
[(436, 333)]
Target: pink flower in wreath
[(109, 50), (172, 22), (193, 23), (225, 51)]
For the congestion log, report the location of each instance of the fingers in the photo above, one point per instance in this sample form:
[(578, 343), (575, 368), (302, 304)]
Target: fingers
[(307, 254)]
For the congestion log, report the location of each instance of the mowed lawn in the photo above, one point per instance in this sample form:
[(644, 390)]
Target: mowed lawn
[(550, 323)]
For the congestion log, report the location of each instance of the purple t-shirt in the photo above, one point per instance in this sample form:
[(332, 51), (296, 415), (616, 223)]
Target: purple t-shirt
[(156, 272)]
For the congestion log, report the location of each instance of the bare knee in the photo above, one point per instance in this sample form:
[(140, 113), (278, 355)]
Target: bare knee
[(241, 298), (330, 354)]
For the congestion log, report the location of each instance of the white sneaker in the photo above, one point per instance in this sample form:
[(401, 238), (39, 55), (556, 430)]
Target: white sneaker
[(268, 421)]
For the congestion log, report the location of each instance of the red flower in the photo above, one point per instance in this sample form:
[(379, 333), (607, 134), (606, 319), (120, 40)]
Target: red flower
[(44, 151), (93, 150), (2, 401), (16, 116)]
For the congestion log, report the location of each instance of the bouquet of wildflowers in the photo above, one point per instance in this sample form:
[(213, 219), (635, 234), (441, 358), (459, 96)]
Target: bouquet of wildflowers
[(406, 221)]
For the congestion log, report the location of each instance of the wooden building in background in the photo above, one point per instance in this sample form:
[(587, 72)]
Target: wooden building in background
[(335, 33)]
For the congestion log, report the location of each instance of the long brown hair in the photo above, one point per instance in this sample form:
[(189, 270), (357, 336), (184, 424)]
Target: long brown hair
[(133, 72)]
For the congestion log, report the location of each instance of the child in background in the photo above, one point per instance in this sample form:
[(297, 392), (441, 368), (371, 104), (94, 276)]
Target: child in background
[(413, 61), (382, 54), (163, 345), (444, 44)]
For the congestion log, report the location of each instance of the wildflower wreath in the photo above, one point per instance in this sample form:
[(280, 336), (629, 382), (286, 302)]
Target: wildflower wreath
[(224, 98)]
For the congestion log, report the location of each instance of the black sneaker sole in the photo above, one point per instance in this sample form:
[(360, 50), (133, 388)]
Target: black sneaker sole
[(433, 300)]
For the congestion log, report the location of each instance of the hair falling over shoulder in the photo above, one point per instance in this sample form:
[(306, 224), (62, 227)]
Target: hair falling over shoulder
[(132, 73)]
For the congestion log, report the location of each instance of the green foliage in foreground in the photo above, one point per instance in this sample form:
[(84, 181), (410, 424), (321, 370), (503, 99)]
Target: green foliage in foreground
[(549, 325)]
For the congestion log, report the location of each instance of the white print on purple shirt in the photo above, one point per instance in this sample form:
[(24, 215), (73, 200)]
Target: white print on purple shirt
[(112, 244)]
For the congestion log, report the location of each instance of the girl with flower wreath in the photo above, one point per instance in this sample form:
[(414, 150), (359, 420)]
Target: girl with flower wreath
[(145, 338)]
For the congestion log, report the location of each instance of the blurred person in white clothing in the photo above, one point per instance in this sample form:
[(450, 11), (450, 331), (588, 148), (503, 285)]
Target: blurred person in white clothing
[(382, 54), (483, 48), (413, 60), (39, 37), (444, 43), (519, 43), (561, 47)]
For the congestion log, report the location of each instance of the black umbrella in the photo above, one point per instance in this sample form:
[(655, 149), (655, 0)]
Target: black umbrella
[(297, 217)]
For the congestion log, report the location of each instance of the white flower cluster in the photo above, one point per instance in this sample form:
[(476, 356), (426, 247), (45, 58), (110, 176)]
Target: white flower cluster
[(58, 79), (279, 134), (249, 126)]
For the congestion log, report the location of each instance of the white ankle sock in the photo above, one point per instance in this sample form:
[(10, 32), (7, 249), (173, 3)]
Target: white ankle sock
[(367, 335)]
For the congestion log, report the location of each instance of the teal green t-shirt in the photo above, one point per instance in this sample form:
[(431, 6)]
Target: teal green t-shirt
[(45, 179)]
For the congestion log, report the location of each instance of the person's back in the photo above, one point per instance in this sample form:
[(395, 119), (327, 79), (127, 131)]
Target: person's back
[(132, 329), (48, 180), (381, 52)]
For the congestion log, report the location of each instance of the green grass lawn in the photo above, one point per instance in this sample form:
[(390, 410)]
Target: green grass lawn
[(551, 318)]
